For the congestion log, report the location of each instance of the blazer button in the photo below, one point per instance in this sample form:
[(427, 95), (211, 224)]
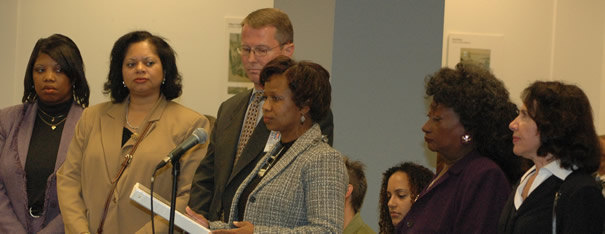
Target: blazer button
[(252, 199), (115, 200), (409, 223)]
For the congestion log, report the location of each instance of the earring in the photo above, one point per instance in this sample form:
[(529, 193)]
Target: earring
[(164, 80), (302, 119), (414, 197), (466, 139), (123, 84)]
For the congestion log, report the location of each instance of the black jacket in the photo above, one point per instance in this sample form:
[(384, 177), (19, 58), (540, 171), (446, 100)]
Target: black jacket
[(580, 207)]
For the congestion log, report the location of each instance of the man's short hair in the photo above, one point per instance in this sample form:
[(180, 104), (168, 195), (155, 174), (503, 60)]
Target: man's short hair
[(284, 32), (357, 179)]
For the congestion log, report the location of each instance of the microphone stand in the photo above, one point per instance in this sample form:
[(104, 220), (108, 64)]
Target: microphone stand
[(176, 170)]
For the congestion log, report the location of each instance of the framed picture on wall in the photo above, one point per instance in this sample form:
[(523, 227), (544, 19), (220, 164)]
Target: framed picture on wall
[(481, 49), (237, 81)]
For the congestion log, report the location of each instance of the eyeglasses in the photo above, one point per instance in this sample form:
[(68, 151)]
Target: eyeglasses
[(259, 51)]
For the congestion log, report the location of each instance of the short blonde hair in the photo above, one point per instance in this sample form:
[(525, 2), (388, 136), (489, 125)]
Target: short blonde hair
[(284, 32)]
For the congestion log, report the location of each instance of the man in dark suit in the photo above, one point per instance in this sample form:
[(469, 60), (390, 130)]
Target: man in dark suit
[(266, 34)]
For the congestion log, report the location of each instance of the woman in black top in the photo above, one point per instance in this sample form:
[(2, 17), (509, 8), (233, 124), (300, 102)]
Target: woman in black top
[(34, 136), (555, 130)]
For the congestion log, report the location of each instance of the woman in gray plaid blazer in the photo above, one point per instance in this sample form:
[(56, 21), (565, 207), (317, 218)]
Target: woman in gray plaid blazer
[(300, 185)]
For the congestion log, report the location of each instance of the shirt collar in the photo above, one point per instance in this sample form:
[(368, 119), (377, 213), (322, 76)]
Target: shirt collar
[(555, 168), (354, 224)]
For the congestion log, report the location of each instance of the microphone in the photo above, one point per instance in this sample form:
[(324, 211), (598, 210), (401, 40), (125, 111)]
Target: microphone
[(199, 136)]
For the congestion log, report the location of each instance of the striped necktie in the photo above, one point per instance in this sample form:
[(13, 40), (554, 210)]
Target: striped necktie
[(249, 124)]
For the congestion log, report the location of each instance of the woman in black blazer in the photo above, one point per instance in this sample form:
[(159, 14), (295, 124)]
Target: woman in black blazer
[(555, 130)]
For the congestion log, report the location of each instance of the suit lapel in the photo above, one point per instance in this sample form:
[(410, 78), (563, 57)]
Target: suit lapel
[(111, 137), (152, 118), (435, 184), (25, 133), (549, 186), (233, 129), (253, 149), (68, 132), (454, 171), (308, 139)]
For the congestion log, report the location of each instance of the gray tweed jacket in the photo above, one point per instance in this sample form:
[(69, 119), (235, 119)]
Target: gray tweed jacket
[(303, 192)]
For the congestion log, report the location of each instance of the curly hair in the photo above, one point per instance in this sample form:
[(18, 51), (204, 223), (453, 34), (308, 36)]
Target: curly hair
[(63, 50), (484, 108), (419, 177), (171, 88), (309, 83), (563, 115)]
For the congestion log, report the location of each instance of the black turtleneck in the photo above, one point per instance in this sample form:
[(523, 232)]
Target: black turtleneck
[(43, 148)]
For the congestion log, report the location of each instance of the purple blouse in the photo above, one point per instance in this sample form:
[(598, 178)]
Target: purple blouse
[(468, 198)]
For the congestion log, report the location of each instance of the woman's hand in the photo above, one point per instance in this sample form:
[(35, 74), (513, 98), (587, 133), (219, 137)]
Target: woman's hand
[(242, 227), (198, 218)]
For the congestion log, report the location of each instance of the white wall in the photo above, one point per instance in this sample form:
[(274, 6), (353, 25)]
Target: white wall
[(579, 41), (543, 40), (8, 43), (527, 28), (601, 126), (194, 28)]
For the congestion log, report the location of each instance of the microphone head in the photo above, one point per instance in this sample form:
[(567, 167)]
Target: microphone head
[(201, 135)]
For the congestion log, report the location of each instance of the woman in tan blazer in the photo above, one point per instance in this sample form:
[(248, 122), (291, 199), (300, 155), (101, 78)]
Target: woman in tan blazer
[(142, 80)]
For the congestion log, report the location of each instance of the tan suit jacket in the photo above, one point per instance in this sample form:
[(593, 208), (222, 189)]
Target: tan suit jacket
[(95, 156)]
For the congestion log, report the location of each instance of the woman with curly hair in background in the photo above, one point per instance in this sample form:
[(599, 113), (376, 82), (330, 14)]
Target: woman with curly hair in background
[(401, 185), (467, 126)]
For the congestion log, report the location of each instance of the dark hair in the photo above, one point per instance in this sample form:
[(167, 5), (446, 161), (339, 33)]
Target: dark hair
[(563, 115), (284, 32), (65, 52), (419, 177), (602, 165), (277, 66), (171, 88), (484, 108), (309, 83), (357, 179)]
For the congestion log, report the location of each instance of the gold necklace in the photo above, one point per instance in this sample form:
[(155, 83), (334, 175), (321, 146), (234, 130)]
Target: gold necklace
[(128, 122), (53, 126), (52, 118)]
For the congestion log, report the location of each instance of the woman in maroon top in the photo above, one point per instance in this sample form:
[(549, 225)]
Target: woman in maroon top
[(467, 126)]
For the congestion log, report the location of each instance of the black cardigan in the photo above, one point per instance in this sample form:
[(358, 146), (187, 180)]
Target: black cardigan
[(580, 207)]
